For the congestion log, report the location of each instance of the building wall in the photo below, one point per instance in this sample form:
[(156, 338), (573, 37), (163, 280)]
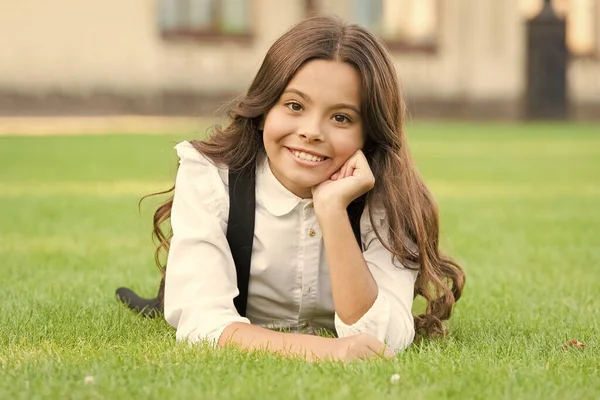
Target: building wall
[(468, 66), (79, 48), (584, 72), (110, 45)]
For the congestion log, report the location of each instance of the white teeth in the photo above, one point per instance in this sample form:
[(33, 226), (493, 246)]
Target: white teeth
[(309, 157)]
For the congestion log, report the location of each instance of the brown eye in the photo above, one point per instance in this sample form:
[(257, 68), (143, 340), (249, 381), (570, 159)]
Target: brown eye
[(341, 118), (294, 106)]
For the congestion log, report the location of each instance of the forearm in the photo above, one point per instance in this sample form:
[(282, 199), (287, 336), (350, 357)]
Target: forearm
[(353, 287), (252, 337)]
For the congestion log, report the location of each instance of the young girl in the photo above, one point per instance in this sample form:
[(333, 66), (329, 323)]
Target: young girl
[(321, 124)]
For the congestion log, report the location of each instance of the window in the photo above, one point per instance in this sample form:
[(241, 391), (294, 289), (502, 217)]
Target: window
[(582, 18), (405, 23), (205, 18)]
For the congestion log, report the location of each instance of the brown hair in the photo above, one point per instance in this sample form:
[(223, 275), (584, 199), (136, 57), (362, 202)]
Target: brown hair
[(410, 209)]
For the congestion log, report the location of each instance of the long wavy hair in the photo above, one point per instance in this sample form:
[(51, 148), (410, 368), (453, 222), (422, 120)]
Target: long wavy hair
[(411, 211)]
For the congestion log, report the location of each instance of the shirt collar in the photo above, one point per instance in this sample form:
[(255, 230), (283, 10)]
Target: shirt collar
[(273, 195)]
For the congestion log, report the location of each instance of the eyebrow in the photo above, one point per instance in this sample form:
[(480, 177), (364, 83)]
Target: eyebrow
[(307, 98)]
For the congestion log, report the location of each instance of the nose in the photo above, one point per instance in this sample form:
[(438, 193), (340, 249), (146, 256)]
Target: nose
[(310, 132)]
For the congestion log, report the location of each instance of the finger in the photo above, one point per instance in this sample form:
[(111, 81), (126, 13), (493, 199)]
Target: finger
[(360, 164), (363, 169), (373, 352), (343, 171), (389, 352), (381, 348), (359, 155), (340, 172), (335, 176), (348, 167), (383, 351)]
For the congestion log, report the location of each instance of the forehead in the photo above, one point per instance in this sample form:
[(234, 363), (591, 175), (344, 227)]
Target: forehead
[(328, 81)]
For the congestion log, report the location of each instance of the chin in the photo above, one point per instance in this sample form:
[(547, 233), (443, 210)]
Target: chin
[(304, 181)]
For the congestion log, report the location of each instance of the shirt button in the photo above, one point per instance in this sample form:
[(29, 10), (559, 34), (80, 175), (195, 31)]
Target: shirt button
[(311, 232)]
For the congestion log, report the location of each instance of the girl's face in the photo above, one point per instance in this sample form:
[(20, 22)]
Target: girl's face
[(315, 126)]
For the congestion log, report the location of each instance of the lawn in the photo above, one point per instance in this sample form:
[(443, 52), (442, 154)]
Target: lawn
[(520, 208)]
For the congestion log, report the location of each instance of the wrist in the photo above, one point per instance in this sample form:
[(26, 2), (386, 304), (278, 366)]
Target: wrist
[(340, 350), (317, 348), (330, 211)]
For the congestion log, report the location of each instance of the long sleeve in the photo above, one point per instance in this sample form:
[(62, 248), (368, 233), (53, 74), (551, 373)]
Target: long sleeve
[(389, 318), (200, 282)]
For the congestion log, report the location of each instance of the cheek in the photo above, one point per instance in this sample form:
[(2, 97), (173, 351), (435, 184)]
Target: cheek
[(276, 126), (347, 143)]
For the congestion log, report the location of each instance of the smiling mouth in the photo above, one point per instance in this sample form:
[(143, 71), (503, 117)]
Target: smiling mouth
[(306, 156)]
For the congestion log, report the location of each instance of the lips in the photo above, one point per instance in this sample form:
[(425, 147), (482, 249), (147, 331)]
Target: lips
[(307, 156)]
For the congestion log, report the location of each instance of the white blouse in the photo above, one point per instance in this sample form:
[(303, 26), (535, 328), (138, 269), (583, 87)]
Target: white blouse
[(289, 285)]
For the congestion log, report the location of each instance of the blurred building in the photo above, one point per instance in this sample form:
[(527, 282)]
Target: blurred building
[(463, 58)]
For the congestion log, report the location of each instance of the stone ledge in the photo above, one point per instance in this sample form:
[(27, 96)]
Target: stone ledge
[(200, 105), (90, 125)]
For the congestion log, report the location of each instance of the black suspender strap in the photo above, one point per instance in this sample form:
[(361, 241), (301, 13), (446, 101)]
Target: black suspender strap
[(240, 229), (240, 236), (355, 210)]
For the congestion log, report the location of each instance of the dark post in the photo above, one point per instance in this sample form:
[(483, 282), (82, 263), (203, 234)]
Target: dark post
[(546, 66)]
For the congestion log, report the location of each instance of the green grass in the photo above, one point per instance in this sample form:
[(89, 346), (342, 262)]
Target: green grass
[(520, 209)]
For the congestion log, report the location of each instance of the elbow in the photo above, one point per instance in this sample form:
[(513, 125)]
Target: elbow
[(172, 315), (200, 325), (391, 325), (186, 330), (403, 335), (350, 319)]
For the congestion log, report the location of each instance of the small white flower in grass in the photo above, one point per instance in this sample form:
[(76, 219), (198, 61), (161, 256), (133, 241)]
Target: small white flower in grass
[(88, 379), (394, 378)]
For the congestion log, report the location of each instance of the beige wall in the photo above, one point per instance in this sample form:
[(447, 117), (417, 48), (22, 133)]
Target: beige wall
[(585, 81), (584, 72), (78, 46), (468, 66), (81, 47), (112, 45), (228, 66)]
